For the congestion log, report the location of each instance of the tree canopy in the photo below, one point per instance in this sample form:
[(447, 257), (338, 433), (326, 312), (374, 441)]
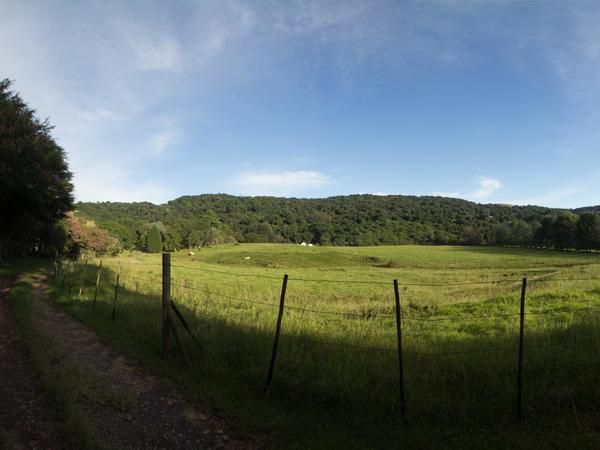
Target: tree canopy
[(194, 221), (153, 240), (35, 182)]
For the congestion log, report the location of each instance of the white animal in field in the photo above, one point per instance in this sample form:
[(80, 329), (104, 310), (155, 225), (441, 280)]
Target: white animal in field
[(246, 258), (310, 245), (303, 244), (190, 253)]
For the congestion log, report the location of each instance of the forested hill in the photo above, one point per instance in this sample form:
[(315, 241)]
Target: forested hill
[(346, 220)]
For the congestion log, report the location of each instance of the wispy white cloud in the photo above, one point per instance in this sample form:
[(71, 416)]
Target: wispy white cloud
[(117, 185), (279, 183), (379, 194), (553, 198), (166, 137), (152, 50), (102, 71), (161, 141), (487, 187)]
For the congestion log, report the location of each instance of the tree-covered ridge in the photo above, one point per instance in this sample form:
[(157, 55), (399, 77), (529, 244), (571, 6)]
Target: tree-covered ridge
[(192, 221)]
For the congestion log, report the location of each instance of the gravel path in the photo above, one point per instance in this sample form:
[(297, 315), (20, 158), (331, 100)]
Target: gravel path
[(130, 408), (27, 418)]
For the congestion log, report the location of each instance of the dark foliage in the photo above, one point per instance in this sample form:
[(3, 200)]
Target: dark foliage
[(153, 240), (35, 183)]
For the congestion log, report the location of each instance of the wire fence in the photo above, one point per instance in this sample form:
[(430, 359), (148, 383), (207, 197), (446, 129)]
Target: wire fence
[(172, 316)]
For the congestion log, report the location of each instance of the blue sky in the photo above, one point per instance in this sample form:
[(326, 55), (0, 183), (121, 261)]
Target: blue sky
[(488, 101)]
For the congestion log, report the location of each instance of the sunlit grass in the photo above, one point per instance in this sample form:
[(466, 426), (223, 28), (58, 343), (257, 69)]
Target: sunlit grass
[(338, 345)]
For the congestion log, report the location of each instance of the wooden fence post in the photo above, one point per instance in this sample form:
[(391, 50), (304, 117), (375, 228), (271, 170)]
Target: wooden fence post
[(97, 285), (277, 334), (399, 341), (520, 362), (166, 302)]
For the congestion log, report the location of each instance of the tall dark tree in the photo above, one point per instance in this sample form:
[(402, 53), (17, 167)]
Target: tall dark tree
[(588, 231), (564, 231), (520, 233), (35, 182), (154, 240), (542, 237)]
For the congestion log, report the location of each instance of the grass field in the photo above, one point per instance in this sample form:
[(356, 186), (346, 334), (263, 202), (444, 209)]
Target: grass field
[(337, 354)]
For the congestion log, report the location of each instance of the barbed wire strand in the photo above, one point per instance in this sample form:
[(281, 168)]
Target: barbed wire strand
[(549, 280), (183, 286), (461, 352), (326, 280), (236, 274)]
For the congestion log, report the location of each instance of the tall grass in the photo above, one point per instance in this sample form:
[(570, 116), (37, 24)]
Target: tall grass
[(338, 344)]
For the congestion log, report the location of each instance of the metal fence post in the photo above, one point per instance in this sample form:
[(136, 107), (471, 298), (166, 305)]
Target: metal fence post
[(399, 341), (97, 285), (114, 311), (166, 302), (520, 363), (277, 334)]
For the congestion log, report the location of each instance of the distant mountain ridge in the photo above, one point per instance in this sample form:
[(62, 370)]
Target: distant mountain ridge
[(341, 220), (586, 209)]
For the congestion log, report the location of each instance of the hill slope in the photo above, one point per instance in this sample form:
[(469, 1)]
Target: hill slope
[(344, 220)]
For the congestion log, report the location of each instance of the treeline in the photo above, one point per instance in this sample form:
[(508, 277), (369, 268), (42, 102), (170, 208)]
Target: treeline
[(194, 221)]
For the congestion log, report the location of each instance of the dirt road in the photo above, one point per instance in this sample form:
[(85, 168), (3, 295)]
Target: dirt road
[(128, 407), (27, 417)]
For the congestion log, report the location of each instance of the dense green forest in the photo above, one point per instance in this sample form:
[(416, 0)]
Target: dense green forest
[(193, 221)]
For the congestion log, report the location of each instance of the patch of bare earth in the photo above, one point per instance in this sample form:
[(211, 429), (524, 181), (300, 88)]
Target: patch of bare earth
[(129, 408), (27, 418)]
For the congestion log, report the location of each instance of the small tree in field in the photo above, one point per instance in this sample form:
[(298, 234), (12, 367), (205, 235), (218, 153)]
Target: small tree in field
[(88, 238), (154, 240)]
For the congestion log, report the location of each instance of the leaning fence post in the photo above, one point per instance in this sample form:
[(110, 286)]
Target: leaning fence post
[(114, 310), (97, 285), (277, 334), (520, 363), (166, 302), (400, 362)]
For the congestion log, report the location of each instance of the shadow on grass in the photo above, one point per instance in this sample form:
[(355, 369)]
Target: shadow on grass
[(454, 375)]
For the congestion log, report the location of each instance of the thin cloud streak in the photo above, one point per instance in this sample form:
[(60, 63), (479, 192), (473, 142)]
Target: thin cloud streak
[(551, 199), (487, 187), (103, 71), (279, 183)]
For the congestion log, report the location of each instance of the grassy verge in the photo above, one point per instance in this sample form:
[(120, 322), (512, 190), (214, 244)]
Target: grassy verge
[(64, 382)]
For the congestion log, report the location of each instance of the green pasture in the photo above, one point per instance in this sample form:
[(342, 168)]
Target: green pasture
[(338, 347)]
